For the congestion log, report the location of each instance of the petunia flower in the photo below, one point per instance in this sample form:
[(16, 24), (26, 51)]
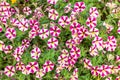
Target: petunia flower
[(79, 6), (117, 78), (104, 70), (1, 29), (91, 22), (118, 30), (93, 32), (70, 43), (10, 33), (52, 1), (23, 24), (111, 43), (108, 27), (2, 45), (3, 20), (74, 76), (75, 51), (27, 10), (72, 60), (114, 69), (53, 14), (40, 73), (8, 49), (35, 53), (44, 33), (55, 31), (94, 70), (74, 27), (48, 66), (93, 12), (20, 66), (32, 67), (87, 63), (25, 43), (14, 22), (64, 21), (67, 8), (5, 5), (62, 59), (25, 71), (33, 23), (93, 51), (64, 53), (9, 71), (59, 68), (52, 43)]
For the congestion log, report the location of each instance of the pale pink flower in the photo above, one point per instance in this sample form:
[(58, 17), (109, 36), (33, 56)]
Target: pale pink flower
[(27, 10), (55, 31), (9, 71), (93, 32), (87, 63), (53, 14), (93, 12), (79, 6), (44, 33), (52, 43), (94, 71), (35, 53), (75, 51), (20, 66), (10, 33)]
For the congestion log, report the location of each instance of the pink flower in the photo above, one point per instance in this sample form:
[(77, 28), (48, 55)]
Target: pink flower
[(72, 60), (114, 69), (1, 29), (35, 53), (33, 23), (75, 52), (87, 63), (64, 21), (40, 73), (53, 14), (32, 67), (117, 58), (54, 31), (2, 45), (9, 71), (10, 33), (52, 43), (62, 59), (119, 23), (118, 30), (74, 76), (52, 1), (44, 33), (25, 43), (59, 68), (74, 27), (79, 6), (27, 10), (64, 53), (117, 78), (67, 8), (23, 25), (111, 43), (14, 22), (93, 12), (104, 70), (3, 20), (93, 32), (70, 43), (93, 51), (91, 22), (25, 71), (20, 66), (5, 5), (8, 49), (94, 71), (48, 66), (37, 13), (109, 78)]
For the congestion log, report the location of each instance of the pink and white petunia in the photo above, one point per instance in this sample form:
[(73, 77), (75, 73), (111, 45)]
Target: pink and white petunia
[(4, 5), (118, 30), (93, 12), (62, 59), (40, 73), (33, 23), (2, 45), (9, 71), (93, 51), (74, 27), (52, 1), (10, 33), (52, 43), (32, 67), (25, 71), (67, 8), (117, 78), (91, 22), (64, 21), (53, 14), (20, 66), (64, 53), (74, 76), (23, 25), (71, 60), (48, 66), (70, 43), (44, 33), (114, 69), (94, 70), (27, 10), (1, 29), (104, 70), (93, 32), (111, 43), (79, 6), (117, 58), (109, 78), (87, 63), (75, 51), (25, 43), (35, 53), (14, 22), (3, 20), (8, 49), (55, 31)]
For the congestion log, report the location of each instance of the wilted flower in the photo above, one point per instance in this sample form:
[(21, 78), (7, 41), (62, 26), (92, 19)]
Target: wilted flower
[(9, 71), (10, 33), (110, 57), (52, 43), (54, 31), (67, 8), (109, 27), (53, 14), (79, 6), (73, 19)]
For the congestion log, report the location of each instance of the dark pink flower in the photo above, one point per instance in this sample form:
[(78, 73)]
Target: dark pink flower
[(94, 71), (27, 10), (44, 33), (25, 43), (79, 6), (20, 66), (118, 30), (74, 27), (9, 71), (10, 33), (8, 49), (52, 43), (53, 14), (1, 29), (33, 23), (55, 31)]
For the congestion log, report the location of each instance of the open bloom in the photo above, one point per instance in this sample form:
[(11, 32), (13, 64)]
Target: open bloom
[(10, 33), (94, 70), (64, 21), (20, 66), (9, 71), (87, 63), (93, 32), (93, 12), (52, 43), (74, 76), (117, 78), (62, 59), (33, 23), (14, 21), (25, 43), (53, 14), (74, 27), (25, 71), (91, 22), (32, 67), (27, 10), (79, 6), (70, 43), (8, 49), (111, 43), (35, 53), (48, 66), (67, 8), (93, 51), (54, 31), (2, 45), (52, 1), (44, 33), (40, 73)]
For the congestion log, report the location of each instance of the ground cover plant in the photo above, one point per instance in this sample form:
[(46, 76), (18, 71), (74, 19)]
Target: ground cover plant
[(60, 40)]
